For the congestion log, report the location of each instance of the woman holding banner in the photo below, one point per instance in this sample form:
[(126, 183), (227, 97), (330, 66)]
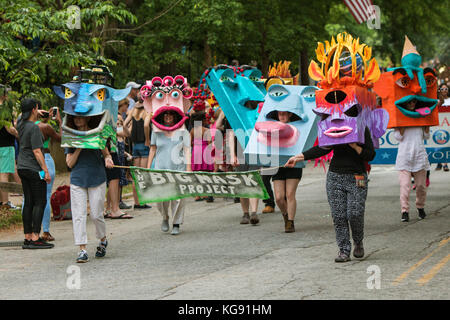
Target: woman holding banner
[(163, 147)]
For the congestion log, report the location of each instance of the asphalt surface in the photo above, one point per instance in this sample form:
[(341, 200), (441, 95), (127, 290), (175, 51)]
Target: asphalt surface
[(215, 257)]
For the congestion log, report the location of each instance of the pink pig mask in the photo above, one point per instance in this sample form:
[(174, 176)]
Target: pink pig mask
[(168, 95)]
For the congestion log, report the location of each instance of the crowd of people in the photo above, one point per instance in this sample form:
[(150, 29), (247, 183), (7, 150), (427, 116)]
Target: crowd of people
[(25, 155)]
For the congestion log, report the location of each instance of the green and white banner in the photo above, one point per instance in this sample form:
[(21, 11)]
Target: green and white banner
[(164, 185)]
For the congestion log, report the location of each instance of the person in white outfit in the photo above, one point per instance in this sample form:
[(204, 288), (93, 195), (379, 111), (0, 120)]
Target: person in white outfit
[(412, 160), (164, 146), (88, 181)]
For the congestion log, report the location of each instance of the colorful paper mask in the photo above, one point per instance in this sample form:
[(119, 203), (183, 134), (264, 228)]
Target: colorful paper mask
[(273, 142), (409, 93), (345, 105), (238, 91), (97, 101), (168, 95)]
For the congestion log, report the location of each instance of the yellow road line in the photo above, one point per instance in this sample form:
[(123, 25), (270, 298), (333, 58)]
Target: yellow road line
[(414, 267), (433, 271)]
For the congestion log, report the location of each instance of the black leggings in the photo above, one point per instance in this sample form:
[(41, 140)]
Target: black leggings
[(35, 200)]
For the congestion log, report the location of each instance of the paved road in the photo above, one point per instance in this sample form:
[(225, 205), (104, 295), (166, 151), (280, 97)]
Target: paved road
[(217, 258)]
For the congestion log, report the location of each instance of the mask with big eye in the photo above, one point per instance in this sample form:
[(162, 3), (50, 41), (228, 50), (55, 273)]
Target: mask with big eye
[(352, 112), (403, 82), (175, 94), (68, 93), (101, 94), (159, 95), (277, 92)]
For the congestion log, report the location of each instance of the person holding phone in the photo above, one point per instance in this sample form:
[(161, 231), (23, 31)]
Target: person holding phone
[(33, 173), (346, 188), (49, 134)]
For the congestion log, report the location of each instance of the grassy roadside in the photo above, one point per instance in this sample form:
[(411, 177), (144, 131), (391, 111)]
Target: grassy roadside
[(9, 218)]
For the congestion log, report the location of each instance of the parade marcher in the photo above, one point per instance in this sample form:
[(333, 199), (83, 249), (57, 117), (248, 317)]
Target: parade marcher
[(409, 93), (285, 183), (88, 181), (200, 140), (444, 100), (170, 146), (412, 161), (49, 134), (349, 123), (140, 138), (346, 191), (33, 173)]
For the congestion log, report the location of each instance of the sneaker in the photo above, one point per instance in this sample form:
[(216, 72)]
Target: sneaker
[(124, 206), (26, 244), (342, 257), (40, 244), (422, 213), (165, 226), (101, 249), (237, 200), (82, 257), (446, 168), (144, 206), (438, 166), (175, 230), (254, 218), (245, 219), (405, 216), (210, 199), (268, 209), (358, 251), (289, 226), (11, 206)]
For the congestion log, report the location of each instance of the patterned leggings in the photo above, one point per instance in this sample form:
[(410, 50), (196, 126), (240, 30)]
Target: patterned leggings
[(347, 202)]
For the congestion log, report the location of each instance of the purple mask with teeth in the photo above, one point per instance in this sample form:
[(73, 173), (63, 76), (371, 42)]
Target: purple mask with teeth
[(345, 113)]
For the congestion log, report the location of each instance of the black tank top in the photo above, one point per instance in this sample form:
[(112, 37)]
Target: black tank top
[(137, 131), (6, 139)]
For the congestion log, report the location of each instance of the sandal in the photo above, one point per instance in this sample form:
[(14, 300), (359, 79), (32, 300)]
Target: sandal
[(122, 216), (107, 214)]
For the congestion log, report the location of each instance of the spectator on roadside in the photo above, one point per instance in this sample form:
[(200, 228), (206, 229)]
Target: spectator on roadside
[(33, 173), (88, 182), (122, 134), (133, 95), (113, 176), (8, 135), (444, 100), (49, 134)]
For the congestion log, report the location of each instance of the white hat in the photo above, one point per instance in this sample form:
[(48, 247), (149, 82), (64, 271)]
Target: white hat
[(133, 84)]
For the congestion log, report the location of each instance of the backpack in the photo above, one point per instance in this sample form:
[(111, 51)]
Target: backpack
[(60, 202)]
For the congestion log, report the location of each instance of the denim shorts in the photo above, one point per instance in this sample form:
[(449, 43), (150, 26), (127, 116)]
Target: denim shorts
[(140, 150)]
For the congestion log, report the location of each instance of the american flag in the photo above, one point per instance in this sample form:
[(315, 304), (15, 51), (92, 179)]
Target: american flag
[(360, 9)]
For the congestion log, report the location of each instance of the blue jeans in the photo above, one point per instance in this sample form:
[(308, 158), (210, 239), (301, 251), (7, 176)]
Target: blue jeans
[(51, 170)]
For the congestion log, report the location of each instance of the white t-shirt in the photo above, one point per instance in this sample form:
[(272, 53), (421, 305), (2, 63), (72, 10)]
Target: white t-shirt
[(411, 155)]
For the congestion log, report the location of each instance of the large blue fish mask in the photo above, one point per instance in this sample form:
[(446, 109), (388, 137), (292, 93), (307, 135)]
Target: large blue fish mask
[(90, 100), (273, 142), (238, 92)]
